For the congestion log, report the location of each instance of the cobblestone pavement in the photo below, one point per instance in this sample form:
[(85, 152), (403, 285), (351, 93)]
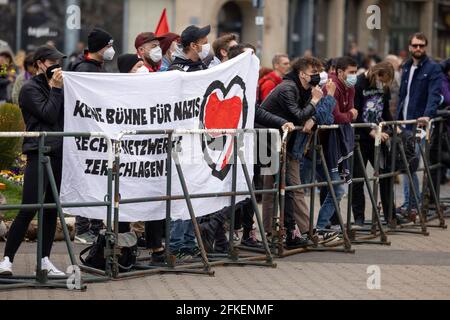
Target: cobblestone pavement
[(413, 267)]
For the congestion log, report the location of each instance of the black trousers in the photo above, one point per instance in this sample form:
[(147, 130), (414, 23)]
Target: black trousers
[(358, 200), (30, 196)]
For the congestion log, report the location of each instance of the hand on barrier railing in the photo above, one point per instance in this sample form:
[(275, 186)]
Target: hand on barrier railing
[(309, 125), (423, 121), (288, 127)]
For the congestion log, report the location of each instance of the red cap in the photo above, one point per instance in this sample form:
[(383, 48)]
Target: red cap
[(167, 41), (144, 38)]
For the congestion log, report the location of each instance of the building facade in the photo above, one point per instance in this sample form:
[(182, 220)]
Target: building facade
[(324, 27)]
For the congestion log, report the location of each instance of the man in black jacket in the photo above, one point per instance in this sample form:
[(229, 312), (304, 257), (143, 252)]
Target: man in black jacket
[(194, 48), (100, 49), (295, 100), (42, 102)]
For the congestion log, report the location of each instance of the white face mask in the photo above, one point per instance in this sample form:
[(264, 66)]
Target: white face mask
[(156, 54), (142, 69), (109, 54), (206, 48), (323, 78)]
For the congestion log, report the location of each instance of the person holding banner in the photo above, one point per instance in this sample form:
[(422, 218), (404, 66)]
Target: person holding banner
[(189, 56), (148, 48), (153, 230), (100, 48), (42, 102), (194, 48), (168, 46)]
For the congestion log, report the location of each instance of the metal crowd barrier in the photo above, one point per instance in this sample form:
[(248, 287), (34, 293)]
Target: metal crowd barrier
[(349, 235), (41, 279)]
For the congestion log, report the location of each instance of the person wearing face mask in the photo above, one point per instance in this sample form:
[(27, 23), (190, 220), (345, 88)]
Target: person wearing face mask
[(220, 47), (41, 100), (168, 46), (148, 48), (100, 49), (296, 99), (130, 63), (193, 49), (150, 233), (372, 95), (338, 144)]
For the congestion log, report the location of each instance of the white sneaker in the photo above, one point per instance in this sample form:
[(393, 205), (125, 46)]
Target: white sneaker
[(6, 267), (51, 269)]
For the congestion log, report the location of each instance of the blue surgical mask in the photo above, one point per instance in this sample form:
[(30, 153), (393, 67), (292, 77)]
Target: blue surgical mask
[(350, 82)]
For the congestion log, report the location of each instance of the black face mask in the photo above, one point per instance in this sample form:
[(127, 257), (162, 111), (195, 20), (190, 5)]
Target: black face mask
[(49, 72), (315, 80)]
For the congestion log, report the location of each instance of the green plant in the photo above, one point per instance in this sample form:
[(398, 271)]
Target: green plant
[(10, 120), (13, 195)]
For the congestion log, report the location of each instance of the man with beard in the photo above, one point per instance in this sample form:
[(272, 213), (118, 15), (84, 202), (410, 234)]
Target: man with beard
[(148, 48), (418, 99)]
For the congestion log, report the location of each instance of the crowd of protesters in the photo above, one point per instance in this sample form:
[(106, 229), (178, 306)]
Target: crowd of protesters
[(305, 92)]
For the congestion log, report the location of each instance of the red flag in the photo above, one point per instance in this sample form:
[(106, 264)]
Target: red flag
[(163, 25)]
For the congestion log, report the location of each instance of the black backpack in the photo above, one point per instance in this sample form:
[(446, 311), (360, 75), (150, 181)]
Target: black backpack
[(127, 242)]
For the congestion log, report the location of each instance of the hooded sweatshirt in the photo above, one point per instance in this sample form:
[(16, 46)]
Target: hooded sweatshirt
[(184, 64), (344, 101)]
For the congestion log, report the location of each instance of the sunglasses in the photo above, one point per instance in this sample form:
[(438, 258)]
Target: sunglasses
[(418, 45)]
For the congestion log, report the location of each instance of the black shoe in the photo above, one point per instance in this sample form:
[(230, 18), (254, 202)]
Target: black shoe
[(294, 240), (401, 219), (221, 249), (251, 241), (142, 243), (158, 257), (208, 240)]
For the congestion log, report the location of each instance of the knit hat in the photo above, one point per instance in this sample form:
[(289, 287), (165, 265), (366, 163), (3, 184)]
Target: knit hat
[(126, 62), (98, 39), (167, 41)]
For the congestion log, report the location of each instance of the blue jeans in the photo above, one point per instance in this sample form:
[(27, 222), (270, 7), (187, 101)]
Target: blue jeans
[(407, 193), (327, 209), (182, 236)]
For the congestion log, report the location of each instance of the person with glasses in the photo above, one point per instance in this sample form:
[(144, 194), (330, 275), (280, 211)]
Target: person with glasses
[(419, 98)]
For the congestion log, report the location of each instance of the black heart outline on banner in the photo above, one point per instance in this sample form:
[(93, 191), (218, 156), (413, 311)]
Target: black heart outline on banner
[(237, 80)]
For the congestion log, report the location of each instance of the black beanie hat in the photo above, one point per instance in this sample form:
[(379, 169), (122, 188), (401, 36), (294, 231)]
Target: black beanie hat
[(98, 39), (126, 62)]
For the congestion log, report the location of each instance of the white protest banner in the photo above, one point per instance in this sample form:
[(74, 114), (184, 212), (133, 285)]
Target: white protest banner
[(221, 97)]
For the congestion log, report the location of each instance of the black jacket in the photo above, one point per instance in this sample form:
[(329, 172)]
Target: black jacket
[(290, 101), (42, 110), (4, 83), (187, 65), (266, 119), (84, 64), (372, 105)]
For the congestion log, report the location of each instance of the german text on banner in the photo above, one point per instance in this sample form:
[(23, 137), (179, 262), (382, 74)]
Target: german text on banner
[(221, 97)]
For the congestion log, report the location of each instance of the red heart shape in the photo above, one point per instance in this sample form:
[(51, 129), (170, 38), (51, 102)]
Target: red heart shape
[(223, 114)]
